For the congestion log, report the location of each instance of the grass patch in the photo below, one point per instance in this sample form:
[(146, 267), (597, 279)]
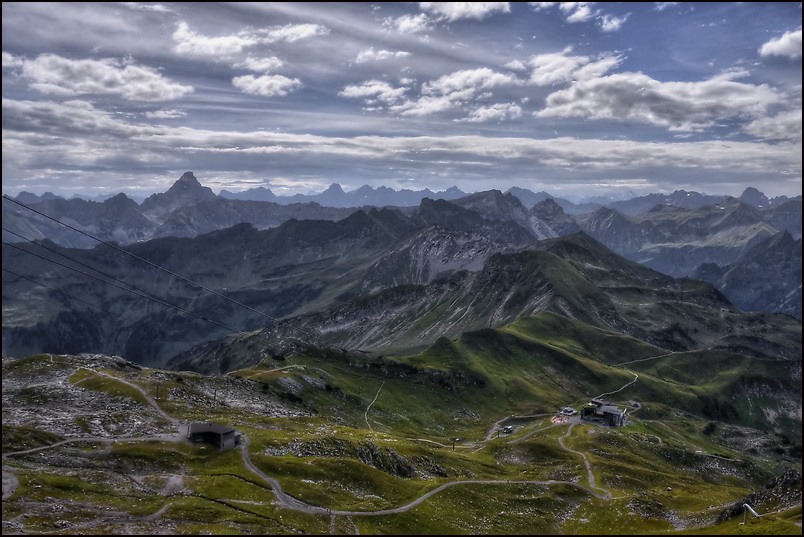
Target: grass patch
[(17, 438), (92, 380)]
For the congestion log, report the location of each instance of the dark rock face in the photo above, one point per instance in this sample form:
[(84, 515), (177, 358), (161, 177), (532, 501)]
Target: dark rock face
[(766, 278), (116, 219), (754, 197), (783, 491), (186, 191), (785, 216), (546, 220), (385, 459), (558, 222)]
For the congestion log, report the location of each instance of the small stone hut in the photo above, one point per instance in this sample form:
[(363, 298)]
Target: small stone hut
[(220, 435)]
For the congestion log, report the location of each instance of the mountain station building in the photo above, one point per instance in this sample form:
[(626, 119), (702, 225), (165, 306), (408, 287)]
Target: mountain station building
[(602, 411), (220, 435)]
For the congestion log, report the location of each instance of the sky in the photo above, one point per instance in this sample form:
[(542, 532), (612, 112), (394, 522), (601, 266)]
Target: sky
[(572, 98)]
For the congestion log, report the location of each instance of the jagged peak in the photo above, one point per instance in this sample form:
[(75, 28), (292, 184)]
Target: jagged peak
[(120, 198), (188, 182), (494, 196), (188, 177), (334, 188), (783, 238), (548, 202)]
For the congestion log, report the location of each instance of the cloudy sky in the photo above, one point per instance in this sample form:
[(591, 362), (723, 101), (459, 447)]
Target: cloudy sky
[(574, 98)]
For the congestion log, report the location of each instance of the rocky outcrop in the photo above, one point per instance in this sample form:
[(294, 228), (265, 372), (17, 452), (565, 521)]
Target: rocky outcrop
[(186, 191), (767, 278), (781, 492)]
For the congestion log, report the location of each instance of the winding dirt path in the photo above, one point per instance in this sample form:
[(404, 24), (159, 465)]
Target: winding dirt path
[(365, 415), (627, 384), (290, 502), (588, 466)]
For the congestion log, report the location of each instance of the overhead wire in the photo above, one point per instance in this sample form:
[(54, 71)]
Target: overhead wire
[(187, 280), (141, 293), (127, 288), (257, 336), (56, 289), (133, 290)]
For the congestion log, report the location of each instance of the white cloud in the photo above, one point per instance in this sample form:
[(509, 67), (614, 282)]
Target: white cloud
[(259, 65), (9, 60), (452, 11), (787, 45), (293, 32), (194, 44), (495, 112), (449, 92), (55, 75), (67, 119), (165, 114), (583, 12), (784, 126), (515, 65), (266, 85), (371, 55), (610, 23), (538, 6), (559, 67), (661, 6), (433, 104), (475, 79), (576, 11), (411, 24), (678, 106), (732, 73), (597, 68), (40, 139), (148, 6), (373, 89)]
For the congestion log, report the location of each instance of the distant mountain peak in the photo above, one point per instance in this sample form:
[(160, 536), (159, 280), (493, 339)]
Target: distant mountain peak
[(334, 188), (28, 197), (754, 197), (186, 191), (186, 182), (188, 177)]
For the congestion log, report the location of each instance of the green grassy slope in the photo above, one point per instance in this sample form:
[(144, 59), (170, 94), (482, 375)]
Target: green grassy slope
[(360, 432)]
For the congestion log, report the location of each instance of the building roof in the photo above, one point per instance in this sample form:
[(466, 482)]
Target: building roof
[(206, 427)]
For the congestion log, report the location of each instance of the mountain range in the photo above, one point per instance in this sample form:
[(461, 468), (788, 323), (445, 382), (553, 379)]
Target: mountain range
[(435, 270), (401, 369), (677, 235)]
